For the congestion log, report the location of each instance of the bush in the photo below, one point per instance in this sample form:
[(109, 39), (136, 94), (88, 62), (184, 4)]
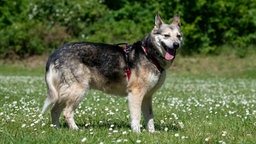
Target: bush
[(209, 24), (35, 27)]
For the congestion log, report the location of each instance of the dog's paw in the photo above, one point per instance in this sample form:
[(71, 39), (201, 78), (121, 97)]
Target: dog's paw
[(74, 127), (151, 131)]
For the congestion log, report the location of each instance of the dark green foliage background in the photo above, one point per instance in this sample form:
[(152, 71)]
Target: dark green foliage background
[(39, 26)]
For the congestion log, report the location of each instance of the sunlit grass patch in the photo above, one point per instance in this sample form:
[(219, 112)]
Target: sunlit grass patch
[(187, 109)]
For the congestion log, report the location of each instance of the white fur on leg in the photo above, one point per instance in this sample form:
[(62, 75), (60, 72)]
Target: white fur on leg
[(135, 120), (150, 126), (148, 114), (69, 117), (135, 125), (71, 123), (47, 104), (135, 111)]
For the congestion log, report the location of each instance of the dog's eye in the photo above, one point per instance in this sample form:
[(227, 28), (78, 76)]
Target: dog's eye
[(166, 35), (179, 36)]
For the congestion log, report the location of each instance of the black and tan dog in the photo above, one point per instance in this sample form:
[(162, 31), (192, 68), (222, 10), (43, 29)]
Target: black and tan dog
[(136, 71)]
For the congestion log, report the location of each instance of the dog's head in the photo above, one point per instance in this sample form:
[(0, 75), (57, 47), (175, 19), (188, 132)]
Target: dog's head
[(167, 37)]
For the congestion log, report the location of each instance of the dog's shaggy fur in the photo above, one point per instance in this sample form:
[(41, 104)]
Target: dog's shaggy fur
[(75, 68)]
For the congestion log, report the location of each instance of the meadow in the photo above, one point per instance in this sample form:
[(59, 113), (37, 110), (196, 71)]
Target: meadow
[(203, 100)]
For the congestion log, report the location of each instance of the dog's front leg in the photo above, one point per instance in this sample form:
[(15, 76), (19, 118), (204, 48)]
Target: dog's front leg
[(135, 98), (148, 113)]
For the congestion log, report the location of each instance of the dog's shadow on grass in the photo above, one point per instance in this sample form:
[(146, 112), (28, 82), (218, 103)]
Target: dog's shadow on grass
[(118, 124), (102, 124)]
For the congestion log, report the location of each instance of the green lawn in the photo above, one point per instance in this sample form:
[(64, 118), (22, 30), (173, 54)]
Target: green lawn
[(189, 108)]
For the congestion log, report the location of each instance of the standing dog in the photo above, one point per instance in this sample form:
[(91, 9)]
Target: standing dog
[(138, 71)]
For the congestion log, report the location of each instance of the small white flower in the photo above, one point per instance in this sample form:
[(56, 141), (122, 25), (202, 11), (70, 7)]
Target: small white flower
[(14, 102), (115, 131), (111, 113), (222, 142), (166, 129), (177, 134), (181, 125), (207, 139), (124, 132), (37, 121), (224, 133), (52, 125), (84, 139), (138, 141), (40, 116), (119, 140), (23, 125)]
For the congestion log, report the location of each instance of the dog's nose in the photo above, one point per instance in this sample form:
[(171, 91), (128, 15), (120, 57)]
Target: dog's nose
[(176, 45)]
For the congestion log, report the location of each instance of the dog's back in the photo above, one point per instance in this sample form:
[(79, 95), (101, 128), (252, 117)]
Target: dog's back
[(106, 58)]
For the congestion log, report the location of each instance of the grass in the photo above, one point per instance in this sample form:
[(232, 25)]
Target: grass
[(202, 101)]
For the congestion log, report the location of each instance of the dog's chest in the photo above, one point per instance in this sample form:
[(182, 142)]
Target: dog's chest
[(153, 79), (159, 80)]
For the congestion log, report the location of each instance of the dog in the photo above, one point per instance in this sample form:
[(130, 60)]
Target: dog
[(136, 71)]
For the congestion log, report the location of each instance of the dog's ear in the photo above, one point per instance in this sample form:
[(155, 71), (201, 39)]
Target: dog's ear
[(176, 20), (158, 20)]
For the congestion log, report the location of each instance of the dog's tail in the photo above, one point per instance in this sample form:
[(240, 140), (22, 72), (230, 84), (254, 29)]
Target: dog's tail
[(52, 93)]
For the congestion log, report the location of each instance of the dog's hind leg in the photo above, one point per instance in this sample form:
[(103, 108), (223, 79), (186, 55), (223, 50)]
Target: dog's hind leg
[(47, 103), (52, 93), (148, 113), (77, 92), (50, 100), (56, 111)]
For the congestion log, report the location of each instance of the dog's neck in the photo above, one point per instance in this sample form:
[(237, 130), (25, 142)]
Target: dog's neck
[(151, 53), (152, 59)]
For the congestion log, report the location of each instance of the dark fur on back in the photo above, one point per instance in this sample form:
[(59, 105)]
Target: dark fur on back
[(104, 57)]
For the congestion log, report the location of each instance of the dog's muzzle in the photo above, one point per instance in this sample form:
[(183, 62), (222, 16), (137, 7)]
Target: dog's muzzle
[(170, 52)]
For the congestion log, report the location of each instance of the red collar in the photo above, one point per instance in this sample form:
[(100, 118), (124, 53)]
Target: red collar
[(127, 69), (152, 59)]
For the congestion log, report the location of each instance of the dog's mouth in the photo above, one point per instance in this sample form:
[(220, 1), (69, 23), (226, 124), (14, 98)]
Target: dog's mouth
[(170, 52)]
